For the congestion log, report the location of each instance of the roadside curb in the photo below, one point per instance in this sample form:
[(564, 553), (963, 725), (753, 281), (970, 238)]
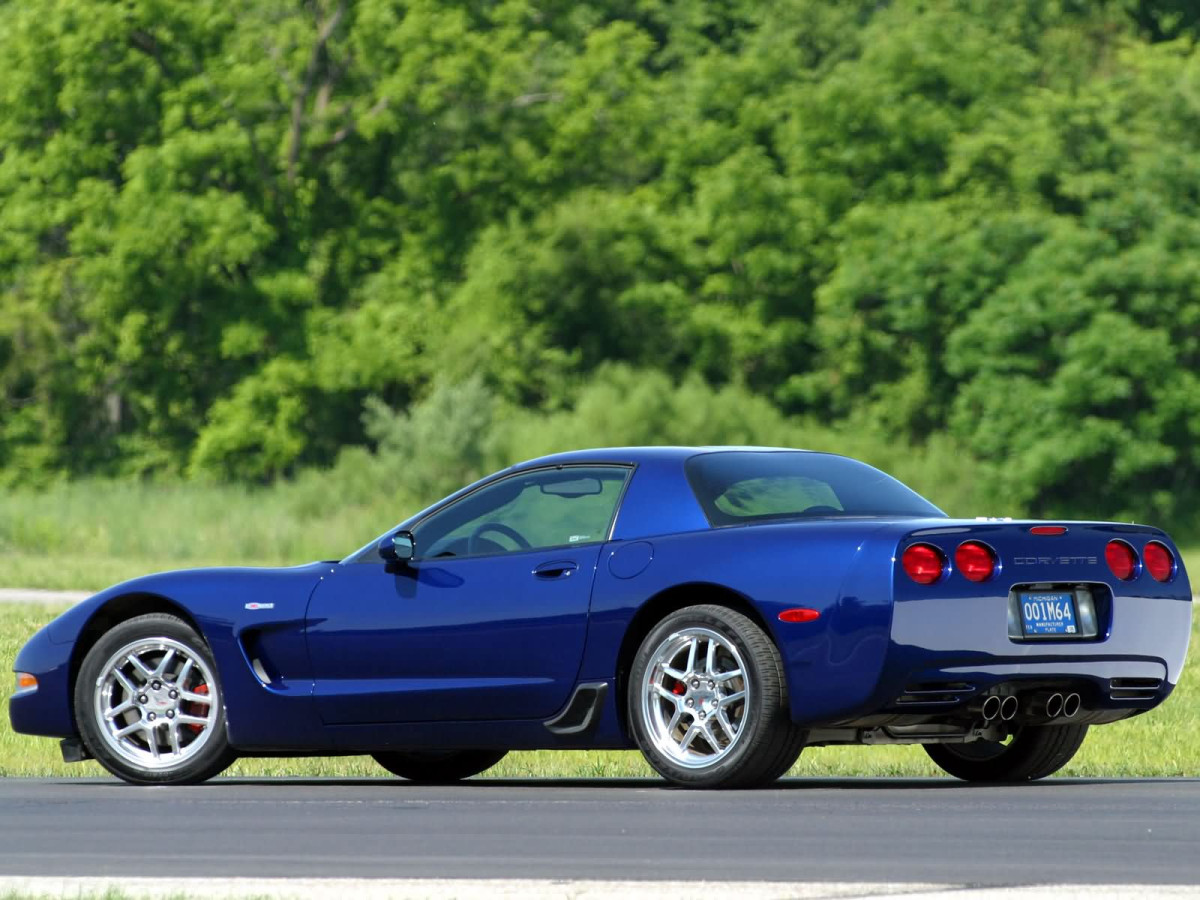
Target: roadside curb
[(43, 597), (567, 889)]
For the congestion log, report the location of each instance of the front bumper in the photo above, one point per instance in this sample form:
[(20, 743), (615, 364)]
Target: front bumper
[(46, 710)]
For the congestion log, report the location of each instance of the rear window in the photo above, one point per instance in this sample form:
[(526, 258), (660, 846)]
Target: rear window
[(737, 487)]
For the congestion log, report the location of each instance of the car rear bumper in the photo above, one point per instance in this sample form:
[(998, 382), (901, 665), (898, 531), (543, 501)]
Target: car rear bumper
[(939, 655), (947, 650)]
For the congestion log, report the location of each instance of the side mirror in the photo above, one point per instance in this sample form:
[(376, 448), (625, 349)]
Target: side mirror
[(397, 547)]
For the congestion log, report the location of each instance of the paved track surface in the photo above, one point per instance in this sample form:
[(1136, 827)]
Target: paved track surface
[(143, 888), (861, 830)]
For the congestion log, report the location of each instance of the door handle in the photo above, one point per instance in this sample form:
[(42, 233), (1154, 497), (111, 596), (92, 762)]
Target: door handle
[(558, 569)]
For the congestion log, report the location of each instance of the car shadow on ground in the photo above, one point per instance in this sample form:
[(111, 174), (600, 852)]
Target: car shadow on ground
[(644, 784)]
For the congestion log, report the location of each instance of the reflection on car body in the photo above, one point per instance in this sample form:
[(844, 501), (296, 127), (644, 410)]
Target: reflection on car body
[(717, 608)]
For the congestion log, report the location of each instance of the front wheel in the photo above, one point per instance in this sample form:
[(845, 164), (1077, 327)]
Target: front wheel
[(148, 703), (708, 703), (1034, 752), (438, 766)]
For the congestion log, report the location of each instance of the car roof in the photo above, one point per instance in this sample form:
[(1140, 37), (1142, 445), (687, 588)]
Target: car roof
[(639, 455)]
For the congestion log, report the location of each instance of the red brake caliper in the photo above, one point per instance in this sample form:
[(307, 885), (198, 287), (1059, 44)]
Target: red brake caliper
[(679, 688), (193, 707)]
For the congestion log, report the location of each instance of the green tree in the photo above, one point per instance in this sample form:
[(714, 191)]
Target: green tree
[(949, 226)]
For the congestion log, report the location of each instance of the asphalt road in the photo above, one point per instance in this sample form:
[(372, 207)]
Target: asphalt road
[(1059, 831)]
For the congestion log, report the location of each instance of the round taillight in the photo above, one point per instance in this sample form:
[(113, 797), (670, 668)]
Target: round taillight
[(1121, 559), (975, 560), (923, 563), (1160, 562)]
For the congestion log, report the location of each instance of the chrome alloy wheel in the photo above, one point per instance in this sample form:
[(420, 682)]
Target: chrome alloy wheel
[(695, 697), (156, 702)]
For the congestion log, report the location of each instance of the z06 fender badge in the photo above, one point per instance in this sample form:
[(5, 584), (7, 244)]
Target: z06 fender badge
[(260, 606)]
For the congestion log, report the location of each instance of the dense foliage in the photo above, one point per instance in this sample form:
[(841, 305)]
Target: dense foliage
[(240, 236)]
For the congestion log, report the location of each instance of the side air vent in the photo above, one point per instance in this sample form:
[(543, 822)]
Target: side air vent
[(583, 710), (936, 692), (1134, 688)]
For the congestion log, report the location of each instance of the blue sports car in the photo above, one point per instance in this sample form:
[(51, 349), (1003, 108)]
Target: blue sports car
[(717, 608)]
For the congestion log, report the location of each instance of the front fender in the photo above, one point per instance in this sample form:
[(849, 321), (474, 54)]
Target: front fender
[(235, 610)]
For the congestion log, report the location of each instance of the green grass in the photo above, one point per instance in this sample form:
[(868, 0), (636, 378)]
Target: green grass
[(1191, 562), (1164, 742), (90, 534)]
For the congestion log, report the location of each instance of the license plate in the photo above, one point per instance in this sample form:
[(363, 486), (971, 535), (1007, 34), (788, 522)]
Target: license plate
[(1048, 614)]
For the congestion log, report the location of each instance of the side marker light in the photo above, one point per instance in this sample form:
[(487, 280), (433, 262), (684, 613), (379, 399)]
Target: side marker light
[(799, 614), (26, 682)]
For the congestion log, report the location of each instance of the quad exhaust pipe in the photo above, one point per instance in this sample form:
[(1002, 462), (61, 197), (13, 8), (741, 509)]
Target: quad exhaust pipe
[(1056, 705), (990, 708), (1008, 708), (1048, 705), (1040, 706), (996, 707)]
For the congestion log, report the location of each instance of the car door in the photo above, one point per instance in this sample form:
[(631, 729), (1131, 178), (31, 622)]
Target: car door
[(488, 620)]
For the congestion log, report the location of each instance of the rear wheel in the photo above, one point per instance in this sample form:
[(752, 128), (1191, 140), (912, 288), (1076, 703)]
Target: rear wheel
[(438, 766), (1034, 752), (708, 701), (149, 706)]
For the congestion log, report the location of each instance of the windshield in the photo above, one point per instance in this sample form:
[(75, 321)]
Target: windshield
[(738, 487)]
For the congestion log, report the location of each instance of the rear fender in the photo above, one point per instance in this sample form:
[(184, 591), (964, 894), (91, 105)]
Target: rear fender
[(830, 663)]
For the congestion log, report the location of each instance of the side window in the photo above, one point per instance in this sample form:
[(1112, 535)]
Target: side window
[(773, 496), (530, 511)]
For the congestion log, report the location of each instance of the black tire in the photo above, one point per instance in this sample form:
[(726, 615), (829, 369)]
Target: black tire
[(438, 766), (766, 742), (204, 749), (1034, 752)]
